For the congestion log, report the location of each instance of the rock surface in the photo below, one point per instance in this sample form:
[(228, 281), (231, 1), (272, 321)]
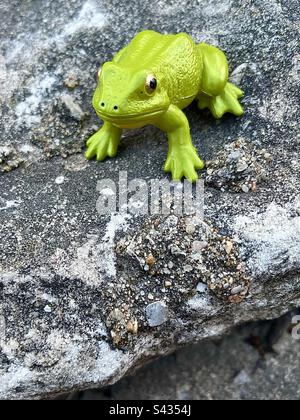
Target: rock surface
[(74, 286), (258, 361)]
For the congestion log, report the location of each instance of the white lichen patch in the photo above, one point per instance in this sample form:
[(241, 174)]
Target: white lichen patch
[(63, 352), (28, 110), (80, 263), (17, 376), (28, 49), (27, 148), (209, 8), (275, 235), (295, 72), (106, 247), (277, 108), (200, 303), (10, 204), (93, 260), (4, 86), (89, 17)]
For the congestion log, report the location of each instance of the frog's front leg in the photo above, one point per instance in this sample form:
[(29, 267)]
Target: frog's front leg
[(104, 143), (183, 159)]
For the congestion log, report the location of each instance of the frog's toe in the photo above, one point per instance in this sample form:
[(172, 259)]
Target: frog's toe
[(184, 165), (175, 168), (89, 142), (168, 165), (112, 150), (102, 152), (100, 156), (91, 152), (190, 173), (94, 139), (92, 147), (177, 173), (107, 149), (199, 164)]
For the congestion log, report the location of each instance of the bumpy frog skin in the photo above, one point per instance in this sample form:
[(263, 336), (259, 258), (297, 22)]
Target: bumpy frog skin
[(150, 82)]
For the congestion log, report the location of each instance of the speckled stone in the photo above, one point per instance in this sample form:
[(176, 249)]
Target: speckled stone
[(157, 314)]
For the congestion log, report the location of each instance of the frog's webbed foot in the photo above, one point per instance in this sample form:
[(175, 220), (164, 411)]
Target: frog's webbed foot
[(104, 143), (183, 161), (227, 101)]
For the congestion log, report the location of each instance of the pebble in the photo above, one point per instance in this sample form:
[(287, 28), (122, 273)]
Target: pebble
[(190, 229), (199, 246), (197, 256), (75, 110), (242, 379), (241, 167), (132, 326), (175, 250), (201, 288), (235, 155), (229, 247), (187, 268), (157, 313), (236, 290), (210, 171), (172, 221), (268, 156), (245, 188), (71, 81), (150, 260), (60, 180)]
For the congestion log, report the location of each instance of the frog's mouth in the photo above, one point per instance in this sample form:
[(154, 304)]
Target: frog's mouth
[(129, 117)]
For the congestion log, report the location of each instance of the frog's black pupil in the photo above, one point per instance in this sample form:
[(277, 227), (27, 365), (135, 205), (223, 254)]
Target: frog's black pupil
[(153, 84)]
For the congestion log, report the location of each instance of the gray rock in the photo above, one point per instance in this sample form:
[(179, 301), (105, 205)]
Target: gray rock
[(157, 314), (58, 253), (242, 366)]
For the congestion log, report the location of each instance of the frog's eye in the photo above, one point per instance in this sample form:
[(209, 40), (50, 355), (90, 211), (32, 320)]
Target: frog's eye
[(151, 84)]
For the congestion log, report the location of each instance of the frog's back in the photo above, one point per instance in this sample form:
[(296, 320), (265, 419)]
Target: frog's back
[(172, 57)]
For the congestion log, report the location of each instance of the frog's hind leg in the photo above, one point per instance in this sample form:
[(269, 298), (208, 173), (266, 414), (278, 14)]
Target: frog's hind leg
[(217, 93), (227, 101)]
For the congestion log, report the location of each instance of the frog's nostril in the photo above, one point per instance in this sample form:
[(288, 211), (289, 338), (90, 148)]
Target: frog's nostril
[(103, 104), (116, 108)]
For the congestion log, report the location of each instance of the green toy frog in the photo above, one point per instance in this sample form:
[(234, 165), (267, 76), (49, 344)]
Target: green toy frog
[(150, 82)]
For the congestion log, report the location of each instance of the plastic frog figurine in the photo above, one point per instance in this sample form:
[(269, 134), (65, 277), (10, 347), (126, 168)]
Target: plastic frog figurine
[(150, 82)]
